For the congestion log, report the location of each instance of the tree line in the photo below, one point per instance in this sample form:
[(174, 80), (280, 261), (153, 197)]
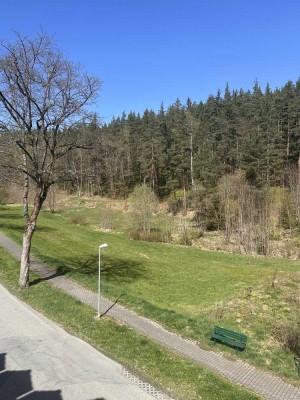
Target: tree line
[(233, 160), (192, 144)]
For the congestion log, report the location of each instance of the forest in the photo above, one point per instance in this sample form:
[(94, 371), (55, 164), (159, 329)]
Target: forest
[(233, 160), (256, 132)]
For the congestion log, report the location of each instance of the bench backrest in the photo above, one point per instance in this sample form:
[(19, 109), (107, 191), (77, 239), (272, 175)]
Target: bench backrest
[(234, 335)]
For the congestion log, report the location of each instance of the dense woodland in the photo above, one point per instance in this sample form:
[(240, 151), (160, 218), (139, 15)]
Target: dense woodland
[(194, 143), (232, 160)]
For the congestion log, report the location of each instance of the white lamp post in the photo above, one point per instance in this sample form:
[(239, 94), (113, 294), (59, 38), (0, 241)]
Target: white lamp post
[(102, 246)]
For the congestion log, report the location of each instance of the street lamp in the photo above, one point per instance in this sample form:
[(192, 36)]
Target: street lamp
[(102, 246)]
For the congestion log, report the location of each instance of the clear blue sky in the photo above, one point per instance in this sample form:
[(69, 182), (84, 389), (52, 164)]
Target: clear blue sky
[(149, 51)]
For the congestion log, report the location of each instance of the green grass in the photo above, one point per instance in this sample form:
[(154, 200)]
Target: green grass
[(185, 289), (184, 379)]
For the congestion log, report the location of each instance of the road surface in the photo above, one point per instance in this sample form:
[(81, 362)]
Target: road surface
[(40, 361)]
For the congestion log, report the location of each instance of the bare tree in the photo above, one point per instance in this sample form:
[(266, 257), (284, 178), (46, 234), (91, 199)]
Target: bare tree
[(228, 194), (143, 203), (246, 213), (294, 184), (42, 95), (193, 127)]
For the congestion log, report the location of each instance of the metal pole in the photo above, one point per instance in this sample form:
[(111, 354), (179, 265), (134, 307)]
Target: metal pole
[(102, 246), (99, 299)]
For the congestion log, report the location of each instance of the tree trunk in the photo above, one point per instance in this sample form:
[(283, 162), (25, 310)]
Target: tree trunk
[(39, 199), (192, 160), (25, 198), (25, 190), (184, 202)]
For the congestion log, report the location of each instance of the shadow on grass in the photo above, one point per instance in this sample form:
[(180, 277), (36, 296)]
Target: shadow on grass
[(112, 269), (10, 215), (21, 227), (46, 278)]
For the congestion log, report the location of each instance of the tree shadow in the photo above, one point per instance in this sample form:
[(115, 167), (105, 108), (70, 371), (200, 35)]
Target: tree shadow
[(18, 384), (112, 269), (21, 227), (14, 384), (46, 278), (2, 361), (10, 216), (44, 395)]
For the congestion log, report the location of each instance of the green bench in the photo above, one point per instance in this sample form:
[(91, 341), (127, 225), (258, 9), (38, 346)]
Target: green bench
[(233, 339)]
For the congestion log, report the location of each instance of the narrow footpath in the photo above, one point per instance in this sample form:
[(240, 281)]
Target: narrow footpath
[(260, 382)]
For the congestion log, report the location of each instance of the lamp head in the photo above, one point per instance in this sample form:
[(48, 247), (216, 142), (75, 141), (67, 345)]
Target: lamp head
[(102, 246)]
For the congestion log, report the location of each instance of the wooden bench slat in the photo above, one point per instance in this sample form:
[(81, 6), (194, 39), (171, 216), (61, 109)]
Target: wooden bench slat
[(232, 338), (233, 343), (226, 332)]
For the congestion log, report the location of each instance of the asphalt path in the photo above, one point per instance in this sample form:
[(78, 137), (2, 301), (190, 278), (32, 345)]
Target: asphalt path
[(40, 361)]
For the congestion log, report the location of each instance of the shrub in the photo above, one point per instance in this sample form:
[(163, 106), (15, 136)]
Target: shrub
[(143, 203), (106, 219), (78, 220), (185, 239), (288, 334), (175, 205), (152, 236), (134, 235), (194, 234), (200, 233)]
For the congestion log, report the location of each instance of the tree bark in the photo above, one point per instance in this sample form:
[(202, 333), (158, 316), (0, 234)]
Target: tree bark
[(25, 190), (40, 196), (25, 198)]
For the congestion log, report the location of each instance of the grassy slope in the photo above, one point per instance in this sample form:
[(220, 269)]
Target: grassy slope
[(184, 379), (187, 289)]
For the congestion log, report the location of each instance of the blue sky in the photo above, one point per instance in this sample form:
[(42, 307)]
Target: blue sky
[(148, 52)]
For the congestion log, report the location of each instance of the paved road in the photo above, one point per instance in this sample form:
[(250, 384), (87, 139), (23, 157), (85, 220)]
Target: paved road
[(40, 361)]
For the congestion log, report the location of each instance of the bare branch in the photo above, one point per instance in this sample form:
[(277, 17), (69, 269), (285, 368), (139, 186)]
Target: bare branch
[(42, 94)]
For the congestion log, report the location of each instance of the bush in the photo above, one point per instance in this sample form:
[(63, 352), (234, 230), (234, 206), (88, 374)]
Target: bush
[(185, 239), (287, 219), (106, 219), (143, 203), (78, 220), (134, 235), (195, 234), (200, 233), (207, 213), (175, 205), (152, 236), (288, 334)]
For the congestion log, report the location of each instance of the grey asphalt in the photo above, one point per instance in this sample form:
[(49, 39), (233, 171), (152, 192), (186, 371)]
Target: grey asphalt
[(39, 360), (237, 371)]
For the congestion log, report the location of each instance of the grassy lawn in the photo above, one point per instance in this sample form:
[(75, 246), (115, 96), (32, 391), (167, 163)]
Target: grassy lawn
[(184, 379), (186, 289)]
